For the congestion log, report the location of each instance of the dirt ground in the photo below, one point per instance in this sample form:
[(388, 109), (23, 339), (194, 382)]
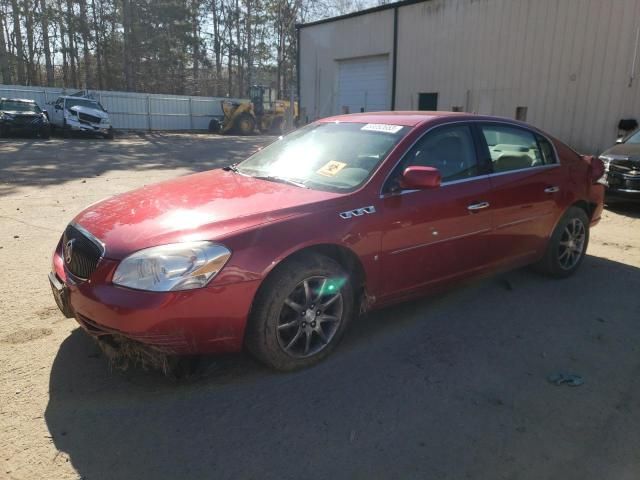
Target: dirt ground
[(452, 387)]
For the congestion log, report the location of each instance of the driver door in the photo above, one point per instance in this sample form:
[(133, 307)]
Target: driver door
[(438, 234), (57, 113)]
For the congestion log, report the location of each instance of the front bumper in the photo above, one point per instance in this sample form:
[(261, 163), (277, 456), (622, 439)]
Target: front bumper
[(202, 321), (623, 179), (14, 127), (87, 127)]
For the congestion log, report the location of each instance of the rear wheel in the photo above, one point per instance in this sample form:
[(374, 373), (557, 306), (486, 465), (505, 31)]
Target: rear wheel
[(245, 124), (300, 313), (567, 246)]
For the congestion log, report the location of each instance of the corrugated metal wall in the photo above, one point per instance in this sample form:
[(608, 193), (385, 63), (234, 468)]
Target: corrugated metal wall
[(136, 111), (322, 46), (568, 61)]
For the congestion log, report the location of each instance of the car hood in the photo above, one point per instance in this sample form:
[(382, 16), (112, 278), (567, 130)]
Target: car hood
[(203, 206), (628, 150), (22, 114), (90, 111)]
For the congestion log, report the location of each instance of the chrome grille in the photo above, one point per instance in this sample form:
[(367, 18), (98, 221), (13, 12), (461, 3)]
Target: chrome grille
[(88, 118), (626, 167), (81, 255), (26, 120)]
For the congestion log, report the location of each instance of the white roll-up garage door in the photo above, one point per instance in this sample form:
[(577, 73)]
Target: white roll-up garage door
[(363, 84)]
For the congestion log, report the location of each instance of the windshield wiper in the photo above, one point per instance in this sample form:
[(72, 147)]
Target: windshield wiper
[(231, 168), (275, 178)]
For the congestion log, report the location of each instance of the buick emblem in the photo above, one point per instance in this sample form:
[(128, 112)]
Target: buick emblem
[(68, 250)]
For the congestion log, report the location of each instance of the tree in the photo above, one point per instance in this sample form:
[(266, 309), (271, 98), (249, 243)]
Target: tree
[(213, 47)]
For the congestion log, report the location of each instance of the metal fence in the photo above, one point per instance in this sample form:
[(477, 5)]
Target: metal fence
[(135, 111)]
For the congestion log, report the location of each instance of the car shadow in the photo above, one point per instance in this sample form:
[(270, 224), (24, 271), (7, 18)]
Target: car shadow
[(38, 162), (449, 387), (626, 208)]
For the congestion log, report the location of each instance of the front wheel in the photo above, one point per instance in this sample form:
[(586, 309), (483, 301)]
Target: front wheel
[(300, 313), (109, 135), (567, 246), (245, 124)]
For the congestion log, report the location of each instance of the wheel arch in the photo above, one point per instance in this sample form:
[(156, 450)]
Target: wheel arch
[(589, 208), (343, 255)]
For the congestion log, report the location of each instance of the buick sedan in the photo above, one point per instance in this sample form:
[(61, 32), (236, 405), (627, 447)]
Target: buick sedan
[(279, 253)]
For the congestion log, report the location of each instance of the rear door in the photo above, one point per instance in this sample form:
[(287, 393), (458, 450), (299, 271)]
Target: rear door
[(526, 185), (438, 234)]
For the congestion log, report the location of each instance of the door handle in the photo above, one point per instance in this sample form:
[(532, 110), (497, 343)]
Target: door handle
[(474, 207), (552, 190)]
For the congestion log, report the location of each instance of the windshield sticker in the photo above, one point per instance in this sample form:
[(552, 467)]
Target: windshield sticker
[(381, 127), (331, 168)]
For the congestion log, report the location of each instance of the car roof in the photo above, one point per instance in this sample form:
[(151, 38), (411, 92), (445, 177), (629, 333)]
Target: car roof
[(415, 118)]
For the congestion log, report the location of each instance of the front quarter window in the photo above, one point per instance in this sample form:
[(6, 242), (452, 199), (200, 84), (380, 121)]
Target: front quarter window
[(335, 156)]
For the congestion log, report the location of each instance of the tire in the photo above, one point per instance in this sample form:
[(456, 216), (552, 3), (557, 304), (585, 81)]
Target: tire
[(277, 126), (45, 133), (297, 319), (245, 124), (567, 245), (66, 130), (214, 126), (109, 135)]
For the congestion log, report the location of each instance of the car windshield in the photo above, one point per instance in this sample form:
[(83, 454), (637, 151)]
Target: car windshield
[(336, 157), (17, 106), (73, 102), (634, 139)]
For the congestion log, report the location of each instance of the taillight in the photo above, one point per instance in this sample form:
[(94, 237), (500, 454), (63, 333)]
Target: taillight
[(596, 168)]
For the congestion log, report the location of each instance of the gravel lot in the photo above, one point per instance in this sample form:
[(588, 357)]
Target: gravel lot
[(452, 387)]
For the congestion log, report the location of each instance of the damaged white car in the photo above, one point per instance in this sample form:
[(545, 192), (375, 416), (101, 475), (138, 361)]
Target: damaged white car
[(79, 114)]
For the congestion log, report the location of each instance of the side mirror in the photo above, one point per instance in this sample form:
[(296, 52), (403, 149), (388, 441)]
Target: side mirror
[(620, 140), (420, 178), (58, 107)]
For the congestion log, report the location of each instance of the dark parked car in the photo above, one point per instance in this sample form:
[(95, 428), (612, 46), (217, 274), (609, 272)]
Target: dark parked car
[(23, 116), (281, 251), (622, 167)]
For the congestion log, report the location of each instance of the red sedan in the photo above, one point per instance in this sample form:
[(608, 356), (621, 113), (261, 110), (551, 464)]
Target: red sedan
[(279, 253)]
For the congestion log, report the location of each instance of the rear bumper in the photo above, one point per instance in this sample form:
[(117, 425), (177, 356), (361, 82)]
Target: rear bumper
[(202, 321)]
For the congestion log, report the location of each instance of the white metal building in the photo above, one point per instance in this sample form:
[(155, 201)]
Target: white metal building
[(570, 67)]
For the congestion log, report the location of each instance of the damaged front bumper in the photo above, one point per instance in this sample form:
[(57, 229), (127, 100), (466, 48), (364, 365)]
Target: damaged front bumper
[(201, 321), (77, 125)]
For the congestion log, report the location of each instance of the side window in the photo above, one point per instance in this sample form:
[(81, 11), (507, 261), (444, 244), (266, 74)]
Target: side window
[(548, 154), (512, 148), (450, 149)]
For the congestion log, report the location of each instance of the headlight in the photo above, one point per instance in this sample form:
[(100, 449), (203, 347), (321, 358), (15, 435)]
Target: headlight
[(5, 116), (178, 266)]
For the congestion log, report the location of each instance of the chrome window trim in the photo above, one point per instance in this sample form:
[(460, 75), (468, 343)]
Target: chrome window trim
[(488, 175), (97, 242)]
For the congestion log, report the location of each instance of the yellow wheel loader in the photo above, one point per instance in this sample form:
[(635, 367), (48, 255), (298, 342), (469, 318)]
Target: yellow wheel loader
[(262, 112)]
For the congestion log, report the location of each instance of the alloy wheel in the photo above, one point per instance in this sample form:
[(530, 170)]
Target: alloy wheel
[(310, 317), (571, 246)]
